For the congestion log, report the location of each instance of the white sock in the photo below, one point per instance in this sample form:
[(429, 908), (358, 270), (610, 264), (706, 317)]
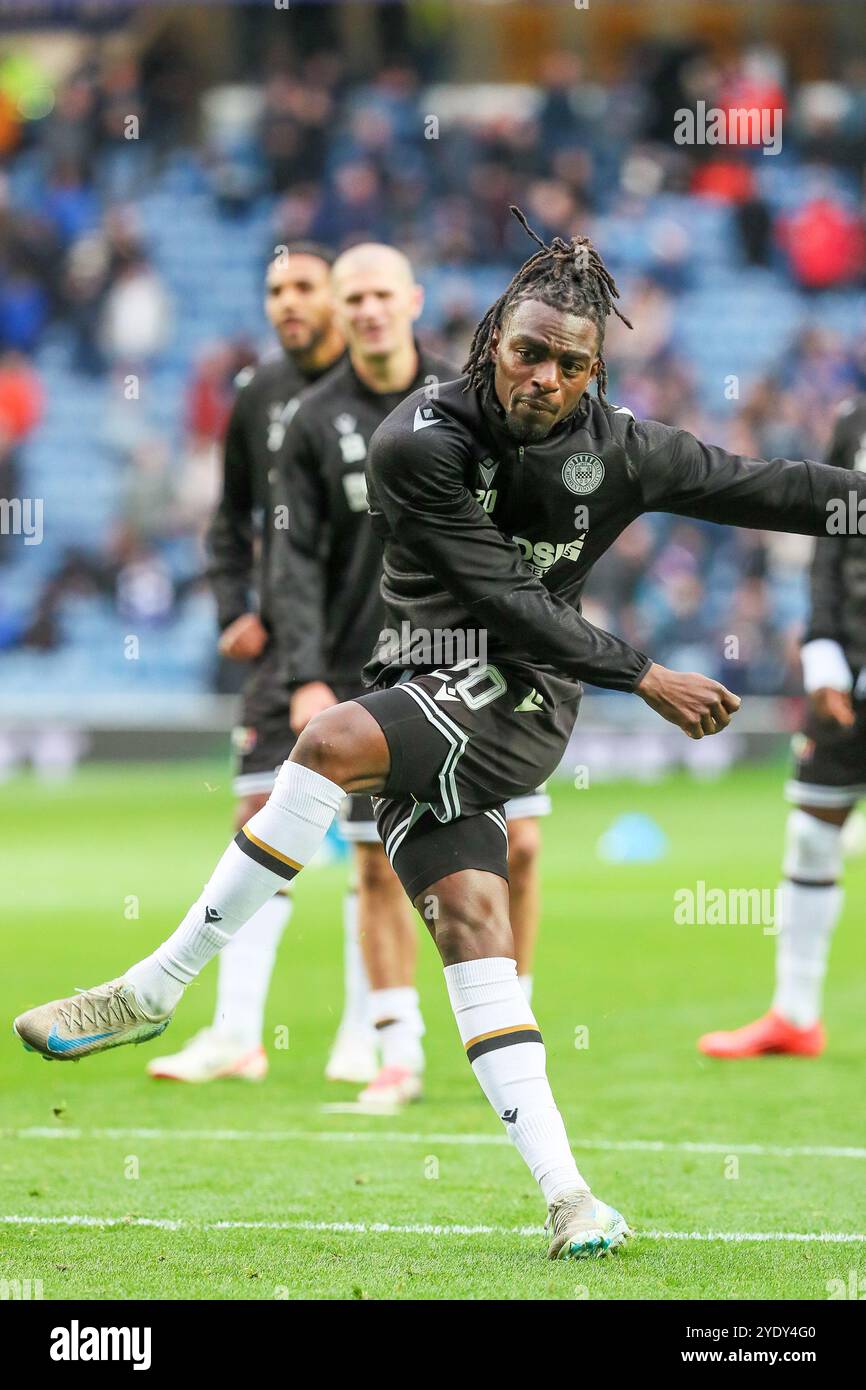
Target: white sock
[(245, 969), (811, 901), (266, 854), (525, 982), (396, 1016), (356, 988), (504, 1046)]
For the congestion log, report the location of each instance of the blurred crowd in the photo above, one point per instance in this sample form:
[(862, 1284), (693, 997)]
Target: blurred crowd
[(341, 159)]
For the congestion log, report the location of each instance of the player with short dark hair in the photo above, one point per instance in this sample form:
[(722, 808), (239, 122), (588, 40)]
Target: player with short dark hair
[(300, 310), (493, 501)]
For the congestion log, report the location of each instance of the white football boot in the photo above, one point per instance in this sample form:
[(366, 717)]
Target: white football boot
[(354, 1056), (92, 1020), (581, 1226), (392, 1088), (211, 1056)]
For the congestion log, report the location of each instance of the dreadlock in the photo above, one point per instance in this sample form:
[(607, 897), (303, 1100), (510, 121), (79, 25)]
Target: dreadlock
[(567, 275)]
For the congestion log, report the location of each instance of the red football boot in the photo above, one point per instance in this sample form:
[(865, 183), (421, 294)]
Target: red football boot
[(770, 1034)]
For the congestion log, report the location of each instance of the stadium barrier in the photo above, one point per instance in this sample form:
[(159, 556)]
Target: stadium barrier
[(615, 736)]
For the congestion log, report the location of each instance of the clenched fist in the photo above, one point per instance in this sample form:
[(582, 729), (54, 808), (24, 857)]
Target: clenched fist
[(696, 704)]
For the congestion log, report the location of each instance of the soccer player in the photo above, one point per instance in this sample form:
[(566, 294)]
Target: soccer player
[(829, 779), (325, 586), (493, 501), (299, 307)]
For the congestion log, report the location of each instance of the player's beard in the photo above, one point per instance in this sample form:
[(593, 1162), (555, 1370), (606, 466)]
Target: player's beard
[(526, 430), (301, 351), (298, 343)]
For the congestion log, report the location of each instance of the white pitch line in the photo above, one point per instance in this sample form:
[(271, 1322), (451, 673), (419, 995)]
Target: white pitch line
[(363, 1228), (383, 1136)]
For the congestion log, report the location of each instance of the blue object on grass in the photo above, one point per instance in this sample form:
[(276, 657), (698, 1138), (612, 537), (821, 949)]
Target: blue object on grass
[(633, 839)]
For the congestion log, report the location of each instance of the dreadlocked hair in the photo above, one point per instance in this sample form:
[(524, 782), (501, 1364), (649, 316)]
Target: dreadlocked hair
[(567, 275)]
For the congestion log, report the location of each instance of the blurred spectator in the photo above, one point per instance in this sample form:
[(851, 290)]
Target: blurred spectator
[(145, 592), (353, 207), (210, 394), (20, 399), (135, 320), (150, 494), (23, 311), (825, 244), (70, 204), (20, 409)]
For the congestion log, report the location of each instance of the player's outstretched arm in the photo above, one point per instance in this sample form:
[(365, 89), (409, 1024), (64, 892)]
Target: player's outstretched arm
[(695, 703), (678, 473)]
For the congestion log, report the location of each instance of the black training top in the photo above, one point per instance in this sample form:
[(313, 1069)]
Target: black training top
[(256, 429), (326, 566)]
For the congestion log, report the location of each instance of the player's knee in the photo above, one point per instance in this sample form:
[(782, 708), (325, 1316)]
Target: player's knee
[(467, 926), (247, 807), (374, 873), (813, 848), (524, 844), (327, 745)]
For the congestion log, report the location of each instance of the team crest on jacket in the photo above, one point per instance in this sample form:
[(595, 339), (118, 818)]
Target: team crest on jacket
[(352, 445), (582, 472)]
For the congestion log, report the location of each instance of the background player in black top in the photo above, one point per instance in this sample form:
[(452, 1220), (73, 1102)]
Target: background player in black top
[(440, 749), (829, 779), (298, 306)]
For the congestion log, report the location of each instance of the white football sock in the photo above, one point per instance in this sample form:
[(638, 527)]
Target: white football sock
[(245, 969), (396, 1016), (268, 852), (811, 901), (504, 1046), (525, 982), (356, 989)]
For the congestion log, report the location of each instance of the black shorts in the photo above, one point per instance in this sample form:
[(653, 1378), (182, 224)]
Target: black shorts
[(264, 739), (463, 742), (829, 762)]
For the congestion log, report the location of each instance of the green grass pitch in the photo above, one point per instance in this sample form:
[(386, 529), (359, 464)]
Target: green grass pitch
[(684, 1147)]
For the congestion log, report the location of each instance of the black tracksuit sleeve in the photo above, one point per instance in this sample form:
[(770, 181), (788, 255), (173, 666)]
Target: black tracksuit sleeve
[(825, 579), (229, 539), (298, 559), (677, 473), (417, 483)]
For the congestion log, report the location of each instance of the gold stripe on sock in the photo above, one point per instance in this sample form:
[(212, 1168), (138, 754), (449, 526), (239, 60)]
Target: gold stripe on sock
[(502, 1037), (499, 1033), (269, 849)]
